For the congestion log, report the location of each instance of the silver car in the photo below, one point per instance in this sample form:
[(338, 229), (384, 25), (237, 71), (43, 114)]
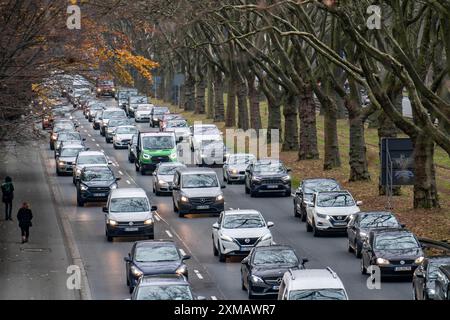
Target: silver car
[(66, 158), (163, 176), (235, 166), (123, 136)]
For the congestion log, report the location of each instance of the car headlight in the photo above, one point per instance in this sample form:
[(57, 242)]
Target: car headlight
[(184, 199), (181, 269), (419, 260), (145, 156), (234, 171), (256, 279), (78, 172), (83, 187), (113, 186), (219, 197), (112, 222), (267, 236), (431, 292), (148, 222), (382, 261), (363, 235), (136, 272), (286, 178), (113, 89), (61, 163), (256, 179), (99, 90), (322, 216), (226, 238), (173, 155), (162, 182), (54, 136)]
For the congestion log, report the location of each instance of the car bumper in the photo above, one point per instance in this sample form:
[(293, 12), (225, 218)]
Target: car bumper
[(234, 249), (393, 271), (163, 188), (324, 225), (142, 118), (65, 168), (212, 208), (109, 135), (264, 289), (94, 196), (122, 231), (266, 188), (235, 177), (120, 144)]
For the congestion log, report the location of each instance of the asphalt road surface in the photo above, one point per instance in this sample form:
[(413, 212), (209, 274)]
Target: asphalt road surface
[(104, 261)]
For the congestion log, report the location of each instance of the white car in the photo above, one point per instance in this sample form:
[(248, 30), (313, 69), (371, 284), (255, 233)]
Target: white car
[(180, 127), (86, 159), (123, 136), (201, 132), (312, 284), (237, 232), (330, 211), (142, 112)]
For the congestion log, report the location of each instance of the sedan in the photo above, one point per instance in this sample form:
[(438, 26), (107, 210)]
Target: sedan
[(263, 269), (123, 135), (362, 223), (163, 177), (267, 176), (67, 136), (425, 276), (164, 287), (239, 231), (95, 184), (112, 125), (211, 152), (235, 166), (66, 158), (154, 258), (395, 252)]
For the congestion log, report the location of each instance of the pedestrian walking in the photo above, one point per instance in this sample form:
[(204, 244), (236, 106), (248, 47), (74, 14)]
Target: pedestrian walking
[(24, 216), (8, 196)]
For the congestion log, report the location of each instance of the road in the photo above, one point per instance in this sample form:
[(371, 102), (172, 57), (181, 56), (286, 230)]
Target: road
[(104, 261)]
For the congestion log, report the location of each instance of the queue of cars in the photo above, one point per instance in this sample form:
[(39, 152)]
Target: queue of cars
[(156, 269)]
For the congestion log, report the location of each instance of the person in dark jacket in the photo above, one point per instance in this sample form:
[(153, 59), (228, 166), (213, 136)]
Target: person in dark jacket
[(8, 196), (24, 216)]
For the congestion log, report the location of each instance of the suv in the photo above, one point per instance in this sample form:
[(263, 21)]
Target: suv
[(306, 191), (95, 184), (153, 148), (123, 136), (267, 176), (235, 166), (67, 136), (65, 125), (66, 158), (108, 114), (312, 284), (105, 87), (128, 213), (156, 115), (88, 159), (123, 94), (330, 211), (133, 102), (197, 190), (201, 132)]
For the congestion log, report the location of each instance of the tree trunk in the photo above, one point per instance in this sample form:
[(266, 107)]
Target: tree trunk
[(242, 94), (332, 157), (189, 103), (425, 191), (200, 96), (290, 141), (161, 89), (210, 90), (182, 97), (168, 90), (274, 121), (308, 131), (230, 120), (219, 110), (253, 96)]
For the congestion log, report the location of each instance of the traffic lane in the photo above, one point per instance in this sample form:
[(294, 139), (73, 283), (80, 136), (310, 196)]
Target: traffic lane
[(198, 278)]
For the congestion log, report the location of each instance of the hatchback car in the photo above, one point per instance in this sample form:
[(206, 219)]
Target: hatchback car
[(67, 136), (123, 136), (235, 166), (267, 176), (395, 252), (66, 157), (306, 190), (425, 276), (164, 287), (263, 269), (156, 115), (93, 109), (154, 258), (88, 159), (362, 223), (133, 102), (163, 177), (142, 112), (197, 191), (95, 184), (238, 231)]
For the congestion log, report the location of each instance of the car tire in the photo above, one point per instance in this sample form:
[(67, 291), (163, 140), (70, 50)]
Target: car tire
[(296, 214), (128, 282), (58, 173), (115, 147), (80, 202), (222, 257), (288, 193), (358, 249), (349, 247), (215, 251), (130, 289), (316, 232), (143, 172), (302, 213), (243, 284), (249, 292), (109, 238), (52, 146), (175, 208), (363, 269), (180, 214), (151, 237), (136, 166), (130, 159), (247, 190), (253, 193), (308, 227)]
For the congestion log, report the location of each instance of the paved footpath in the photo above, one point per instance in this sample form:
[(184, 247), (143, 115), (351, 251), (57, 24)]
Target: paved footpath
[(36, 270)]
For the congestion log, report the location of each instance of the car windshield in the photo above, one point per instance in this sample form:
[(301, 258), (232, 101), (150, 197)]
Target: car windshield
[(158, 142), (237, 221), (158, 110), (70, 152), (138, 99), (129, 205), (335, 200), (212, 144), (164, 292), (113, 113), (116, 123), (433, 268), (378, 221), (320, 186), (241, 159), (156, 253), (127, 130), (396, 242), (98, 175), (262, 168), (200, 180), (144, 108), (318, 294), (168, 170), (64, 136), (276, 256), (63, 126), (96, 107), (177, 124), (92, 159), (106, 83)]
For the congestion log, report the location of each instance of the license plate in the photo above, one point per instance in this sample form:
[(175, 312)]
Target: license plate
[(276, 287), (202, 207), (246, 249), (131, 229), (402, 268), (99, 195), (340, 223), (275, 186)]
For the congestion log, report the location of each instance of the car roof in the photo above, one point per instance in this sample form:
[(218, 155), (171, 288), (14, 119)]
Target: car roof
[(389, 231), (156, 134), (166, 279), (171, 164), (190, 170), (72, 146), (274, 247), (91, 153), (241, 211), (304, 279), (128, 192), (149, 243)]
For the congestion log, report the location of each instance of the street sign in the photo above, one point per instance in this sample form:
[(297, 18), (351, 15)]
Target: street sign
[(397, 162)]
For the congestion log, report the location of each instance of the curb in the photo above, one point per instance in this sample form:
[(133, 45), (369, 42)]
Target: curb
[(84, 293)]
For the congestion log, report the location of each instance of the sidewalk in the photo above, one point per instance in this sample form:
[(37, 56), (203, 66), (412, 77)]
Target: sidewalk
[(37, 269)]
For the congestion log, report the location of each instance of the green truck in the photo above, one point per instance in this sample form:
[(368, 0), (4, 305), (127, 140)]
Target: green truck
[(153, 148)]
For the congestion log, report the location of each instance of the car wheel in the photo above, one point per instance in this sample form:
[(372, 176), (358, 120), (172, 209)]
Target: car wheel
[(115, 147), (358, 249), (175, 208), (349, 247), (128, 281), (80, 202), (216, 253), (58, 173), (249, 291), (287, 193), (308, 227), (142, 171), (302, 214), (180, 214), (158, 193), (74, 181), (151, 237), (242, 283), (130, 288), (136, 166), (363, 269), (52, 147), (247, 190), (222, 257), (316, 232), (414, 293), (130, 159), (253, 193), (109, 238), (296, 214)]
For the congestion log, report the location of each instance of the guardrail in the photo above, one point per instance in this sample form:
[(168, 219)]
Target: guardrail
[(442, 245)]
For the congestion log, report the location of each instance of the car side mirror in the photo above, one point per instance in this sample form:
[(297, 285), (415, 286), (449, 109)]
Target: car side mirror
[(270, 224), (216, 226), (127, 259), (105, 209), (118, 178), (288, 169), (304, 260), (247, 170), (154, 208), (223, 186), (109, 162), (245, 260), (359, 203), (186, 257)]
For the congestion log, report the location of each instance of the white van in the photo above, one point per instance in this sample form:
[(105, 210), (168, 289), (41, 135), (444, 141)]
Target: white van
[(128, 212)]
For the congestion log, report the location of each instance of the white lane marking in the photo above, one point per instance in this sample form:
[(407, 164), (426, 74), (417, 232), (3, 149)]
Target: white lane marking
[(182, 252), (157, 217), (82, 127), (128, 181), (89, 135), (198, 274), (169, 234), (97, 145), (213, 298), (114, 165), (120, 172), (85, 130)]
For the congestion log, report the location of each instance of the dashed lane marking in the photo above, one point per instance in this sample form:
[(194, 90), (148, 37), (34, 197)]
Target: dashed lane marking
[(169, 234), (128, 181), (157, 217), (120, 172), (93, 139), (198, 274), (182, 252), (213, 298)]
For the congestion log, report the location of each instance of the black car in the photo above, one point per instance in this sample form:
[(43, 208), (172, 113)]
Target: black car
[(362, 223), (442, 283), (306, 190), (267, 176), (154, 257), (156, 116), (425, 276), (396, 252), (95, 184), (263, 269)]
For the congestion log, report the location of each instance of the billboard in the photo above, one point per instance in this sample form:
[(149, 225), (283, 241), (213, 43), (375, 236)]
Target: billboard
[(397, 162)]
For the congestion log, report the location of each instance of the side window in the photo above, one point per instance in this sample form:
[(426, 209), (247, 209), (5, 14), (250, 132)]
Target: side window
[(314, 199)]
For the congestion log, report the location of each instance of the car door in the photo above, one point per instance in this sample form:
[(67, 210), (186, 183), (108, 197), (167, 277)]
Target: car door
[(310, 210), (352, 228), (177, 186), (128, 264), (215, 231), (245, 266)]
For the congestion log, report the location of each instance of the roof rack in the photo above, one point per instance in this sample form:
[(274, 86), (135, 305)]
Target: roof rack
[(332, 272)]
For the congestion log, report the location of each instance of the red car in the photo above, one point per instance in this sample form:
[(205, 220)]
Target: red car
[(105, 88)]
